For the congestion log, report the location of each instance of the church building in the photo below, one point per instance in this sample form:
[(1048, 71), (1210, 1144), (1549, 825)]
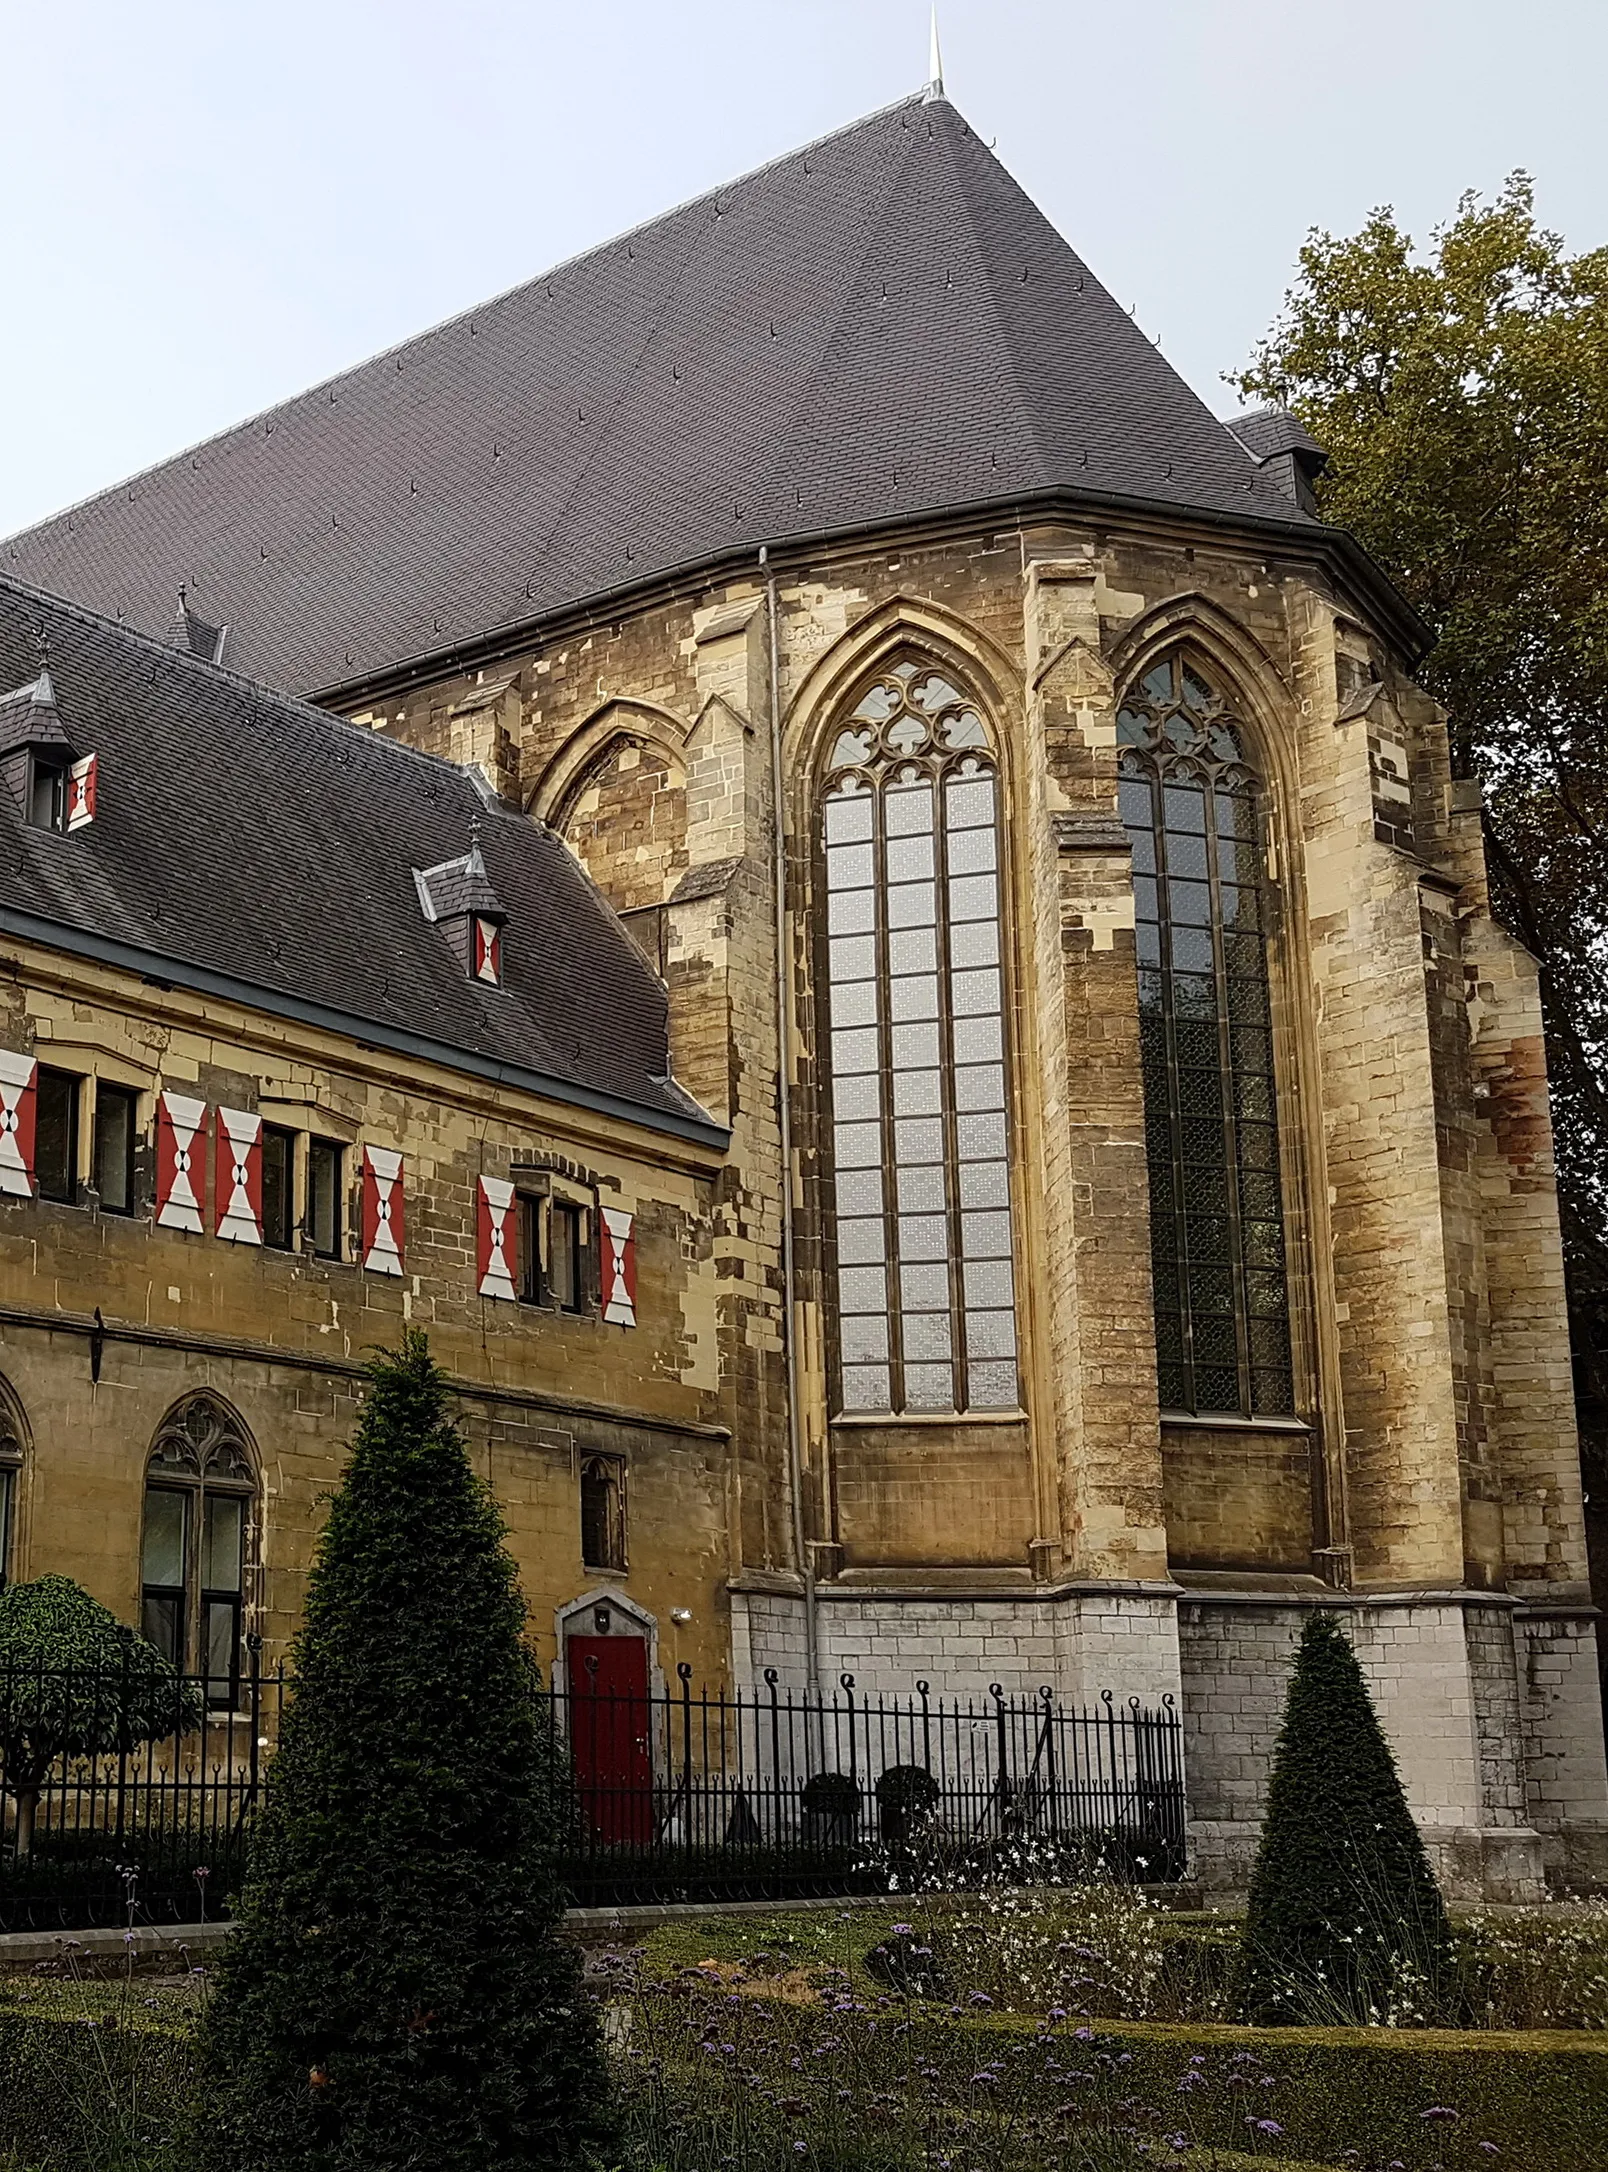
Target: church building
[(782, 840)]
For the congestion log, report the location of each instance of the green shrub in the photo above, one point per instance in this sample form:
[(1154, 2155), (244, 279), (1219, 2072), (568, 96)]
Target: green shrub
[(395, 1993), (1346, 1921)]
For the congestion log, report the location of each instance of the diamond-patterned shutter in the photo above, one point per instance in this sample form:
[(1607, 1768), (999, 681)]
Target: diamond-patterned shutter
[(619, 1267), (180, 1161), (237, 1176), (379, 1220), (494, 1238), (17, 1080), (488, 951), (81, 785)]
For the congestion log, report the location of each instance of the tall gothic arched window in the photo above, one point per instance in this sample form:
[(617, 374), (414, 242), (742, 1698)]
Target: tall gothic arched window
[(200, 1490), (1191, 804), (912, 968)]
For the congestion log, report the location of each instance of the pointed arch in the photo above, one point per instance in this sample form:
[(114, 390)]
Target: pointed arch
[(200, 1549), (1262, 697), (15, 1443), (643, 723)]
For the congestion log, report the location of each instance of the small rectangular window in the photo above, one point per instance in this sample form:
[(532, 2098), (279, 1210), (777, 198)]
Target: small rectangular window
[(278, 1179), (167, 1546), (603, 1513), (114, 1148), (324, 1196), (566, 1265), (529, 1276), (47, 797), (56, 1134)]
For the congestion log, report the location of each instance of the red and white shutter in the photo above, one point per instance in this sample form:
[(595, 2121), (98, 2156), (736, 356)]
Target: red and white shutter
[(17, 1078), (379, 1216), (237, 1176), (180, 1161), (488, 951), (619, 1267), (81, 793), (494, 1238)]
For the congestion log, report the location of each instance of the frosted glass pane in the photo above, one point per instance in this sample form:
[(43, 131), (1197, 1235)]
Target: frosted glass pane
[(865, 1339), (166, 1519), (857, 1097), (924, 1289), (850, 867), (980, 1138), (223, 1523), (929, 1387), (985, 1235), (991, 1334), (916, 1093), (979, 1040), (993, 1385), (853, 958), (918, 1138), (923, 1236), (921, 1191), (916, 997), (914, 950), (858, 1146), (979, 1086), (848, 817), (986, 1283), (974, 942), (984, 1184), (909, 859), (973, 897), (910, 905), (969, 804), (863, 1289), (854, 1003), (926, 1337), (865, 1387), (851, 912), (860, 1243), (971, 852), (975, 991), (915, 1048), (859, 1191), (855, 1051), (908, 812)]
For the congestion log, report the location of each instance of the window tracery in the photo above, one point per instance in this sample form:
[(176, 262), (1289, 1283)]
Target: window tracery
[(916, 1053), (1191, 803), (200, 1486)]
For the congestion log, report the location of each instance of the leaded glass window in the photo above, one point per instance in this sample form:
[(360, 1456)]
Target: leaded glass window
[(1191, 804), (925, 1310)]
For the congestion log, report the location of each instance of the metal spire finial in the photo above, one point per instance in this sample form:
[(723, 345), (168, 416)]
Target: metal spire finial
[(935, 62)]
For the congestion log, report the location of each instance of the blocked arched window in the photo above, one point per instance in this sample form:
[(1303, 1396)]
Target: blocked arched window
[(12, 1437), (200, 1498), (1192, 805), (914, 1055)]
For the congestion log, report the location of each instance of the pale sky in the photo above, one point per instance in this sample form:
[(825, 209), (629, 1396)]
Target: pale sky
[(204, 209)]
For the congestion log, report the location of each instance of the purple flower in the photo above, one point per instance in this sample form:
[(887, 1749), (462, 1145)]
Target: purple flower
[(1439, 2111), (1266, 2126), (901, 1930)]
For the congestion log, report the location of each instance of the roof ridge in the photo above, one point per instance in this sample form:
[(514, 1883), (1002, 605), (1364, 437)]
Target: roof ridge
[(457, 317)]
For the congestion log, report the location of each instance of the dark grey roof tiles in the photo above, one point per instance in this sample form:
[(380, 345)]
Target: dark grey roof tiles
[(31, 717), (1267, 431), (246, 834), (458, 888), (877, 326)]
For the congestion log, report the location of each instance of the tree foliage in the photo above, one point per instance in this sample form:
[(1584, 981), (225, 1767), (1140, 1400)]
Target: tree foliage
[(395, 1994), (76, 1682), (1462, 398), (1346, 1921)]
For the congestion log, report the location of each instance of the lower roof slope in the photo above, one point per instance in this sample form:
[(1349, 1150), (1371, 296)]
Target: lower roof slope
[(880, 325), (240, 833)]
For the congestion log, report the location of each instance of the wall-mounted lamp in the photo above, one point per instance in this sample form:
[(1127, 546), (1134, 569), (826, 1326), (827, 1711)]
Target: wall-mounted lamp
[(600, 1620)]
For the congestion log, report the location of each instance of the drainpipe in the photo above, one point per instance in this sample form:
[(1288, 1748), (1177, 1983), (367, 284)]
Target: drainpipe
[(784, 1120)]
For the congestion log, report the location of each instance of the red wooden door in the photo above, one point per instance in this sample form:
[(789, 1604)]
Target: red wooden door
[(609, 1731)]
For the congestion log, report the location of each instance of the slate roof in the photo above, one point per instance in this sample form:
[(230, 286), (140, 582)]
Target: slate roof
[(1268, 431), (877, 326), (240, 833)]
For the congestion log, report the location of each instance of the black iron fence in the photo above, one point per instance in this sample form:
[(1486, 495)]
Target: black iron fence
[(114, 1812)]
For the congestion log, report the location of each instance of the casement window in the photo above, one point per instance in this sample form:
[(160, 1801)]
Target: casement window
[(528, 1209), (325, 1175), (115, 1134), (47, 795), (566, 1257), (603, 1512), (911, 967), (56, 1098), (278, 1187), (1193, 808), (200, 1493), (10, 1482)]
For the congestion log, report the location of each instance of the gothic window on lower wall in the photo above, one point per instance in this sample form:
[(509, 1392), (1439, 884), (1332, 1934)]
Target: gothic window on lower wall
[(200, 1492), (1192, 807), (911, 974)]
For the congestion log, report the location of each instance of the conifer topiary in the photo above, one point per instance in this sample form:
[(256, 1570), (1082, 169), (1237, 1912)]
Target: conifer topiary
[(395, 1993), (1346, 1921)]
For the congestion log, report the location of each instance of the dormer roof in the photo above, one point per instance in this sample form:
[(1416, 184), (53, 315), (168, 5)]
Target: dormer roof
[(30, 718), (187, 631), (458, 889)]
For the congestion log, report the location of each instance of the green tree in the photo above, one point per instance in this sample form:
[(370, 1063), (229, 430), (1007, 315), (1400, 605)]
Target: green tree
[(76, 1682), (395, 1993), (1346, 1921), (1462, 398)]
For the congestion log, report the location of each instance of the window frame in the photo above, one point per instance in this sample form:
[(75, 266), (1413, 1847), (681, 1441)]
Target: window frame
[(614, 1557), (573, 1215), (284, 1138), (107, 1090), (74, 1082), (42, 773), (332, 1154), (201, 1454)]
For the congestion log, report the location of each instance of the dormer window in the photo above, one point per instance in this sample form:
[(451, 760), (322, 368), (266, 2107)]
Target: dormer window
[(458, 897), (47, 794), (53, 786)]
